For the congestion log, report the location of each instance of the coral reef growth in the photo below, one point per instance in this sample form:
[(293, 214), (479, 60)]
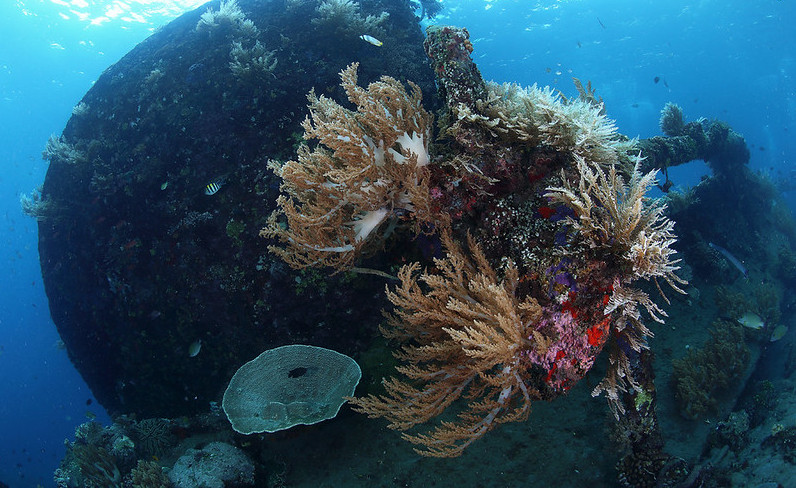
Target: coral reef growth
[(251, 64), (465, 333), (152, 436), (216, 465), (732, 431), (368, 169), (35, 205), (89, 466), (344, 18), (672, 121), (712, 141), (228, 16), (540, 116), (148, 474), (499, 343), (701, 375), (58, 150), (613, 213), (144, 453)]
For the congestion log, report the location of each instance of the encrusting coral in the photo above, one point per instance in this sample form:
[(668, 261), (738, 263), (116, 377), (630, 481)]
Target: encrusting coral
[(368, 168)]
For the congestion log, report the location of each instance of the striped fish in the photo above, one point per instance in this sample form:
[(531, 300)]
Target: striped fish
[(215, 185), (212, 188)]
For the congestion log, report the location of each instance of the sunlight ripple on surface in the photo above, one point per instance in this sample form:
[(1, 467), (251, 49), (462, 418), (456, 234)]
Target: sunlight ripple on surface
[(97, 12)]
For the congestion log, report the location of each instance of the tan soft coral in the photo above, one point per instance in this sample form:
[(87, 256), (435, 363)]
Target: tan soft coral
[(370, 167), (464, 332)]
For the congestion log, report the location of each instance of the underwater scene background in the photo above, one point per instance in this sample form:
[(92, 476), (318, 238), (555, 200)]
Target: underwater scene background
[(155, 171)]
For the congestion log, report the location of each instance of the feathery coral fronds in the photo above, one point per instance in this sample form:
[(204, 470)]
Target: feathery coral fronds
[(615, 215), (464, 331), (370, 167)]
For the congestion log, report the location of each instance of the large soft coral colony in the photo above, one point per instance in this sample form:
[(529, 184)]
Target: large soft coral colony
[(369, 168), (541, 213), (466, 332)]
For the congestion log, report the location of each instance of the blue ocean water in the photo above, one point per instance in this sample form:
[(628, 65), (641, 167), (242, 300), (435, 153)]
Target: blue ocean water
[(733, 61)]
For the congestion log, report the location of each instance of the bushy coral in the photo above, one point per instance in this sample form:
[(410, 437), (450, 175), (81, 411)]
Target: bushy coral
[(369, 169), (538, 115), (465, 335), (36, 205), (251, 64), (148, 474), (611, 212), (703, 373), (344, 19), (59, 151), (228, 16), (672, 121)]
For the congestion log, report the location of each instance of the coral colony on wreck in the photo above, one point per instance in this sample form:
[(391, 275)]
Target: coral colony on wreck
[(506, 232)]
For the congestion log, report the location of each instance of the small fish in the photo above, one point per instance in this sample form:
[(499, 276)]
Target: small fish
[(194, 348), (371, 40), (778, 333), (212, 188), (164, 185), (751, 320), (656, 79), (215, 185), (732, 259), (90, 415)]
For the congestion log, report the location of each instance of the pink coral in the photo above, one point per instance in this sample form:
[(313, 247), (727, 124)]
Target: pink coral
[(572, 351)]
